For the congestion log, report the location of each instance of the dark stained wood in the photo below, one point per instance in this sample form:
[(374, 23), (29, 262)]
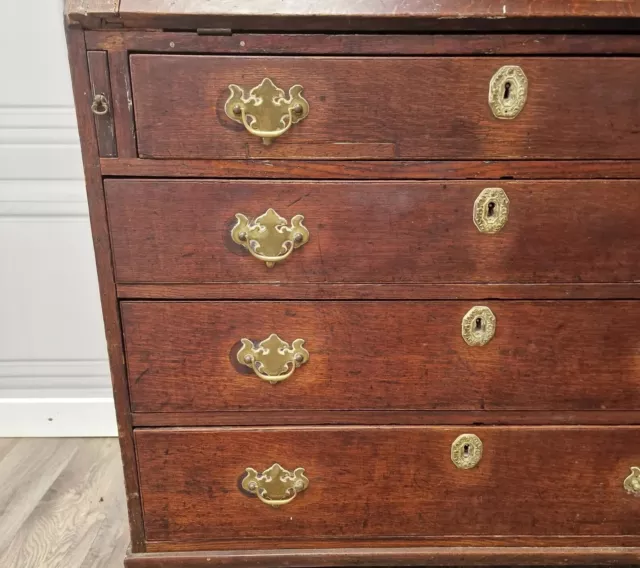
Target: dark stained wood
[(531, 481), (369, 169), (380, 8), (385, 356), (123, 104), (100, 85), (367, 44), (319, 291), (371, 15), (179, 107), (386, 417), (282, 545), (429, 556), (100, 232), (377, 232), (390, 383)]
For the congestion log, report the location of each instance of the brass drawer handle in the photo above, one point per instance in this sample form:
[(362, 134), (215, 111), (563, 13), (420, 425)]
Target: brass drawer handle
[(268, 237), (266, 112), (478, 326), (508, 91), (275, 486), (273, 359), (100, 105), (632, 482), (491, 210)]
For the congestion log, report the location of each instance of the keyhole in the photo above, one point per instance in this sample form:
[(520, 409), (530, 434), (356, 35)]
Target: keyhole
[(507, 89), (465, 450), (478, 324), (490, 208)]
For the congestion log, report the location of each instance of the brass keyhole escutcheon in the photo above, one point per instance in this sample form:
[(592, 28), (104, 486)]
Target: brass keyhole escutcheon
[(478, 326), (466, 451), (508, 92), (632, 482), (491, 210)]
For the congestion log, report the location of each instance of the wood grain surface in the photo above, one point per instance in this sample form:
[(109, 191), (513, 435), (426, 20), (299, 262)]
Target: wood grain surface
[(373, 169), (62, 503), (101, 85), (365, 44), (108, 299), (377, 232), (570, 355), (386, 482), (432, 108), (414, 556), (368, 15)]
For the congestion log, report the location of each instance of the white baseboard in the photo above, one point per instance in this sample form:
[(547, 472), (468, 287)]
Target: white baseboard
[(57, 417)]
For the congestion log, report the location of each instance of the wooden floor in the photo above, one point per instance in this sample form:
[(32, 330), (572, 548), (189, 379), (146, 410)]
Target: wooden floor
[(62, 503)]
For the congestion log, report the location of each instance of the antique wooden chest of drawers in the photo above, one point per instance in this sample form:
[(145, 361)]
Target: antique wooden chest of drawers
[(370, 274)]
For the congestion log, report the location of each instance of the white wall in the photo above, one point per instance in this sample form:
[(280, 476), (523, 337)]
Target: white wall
[(54, 376)]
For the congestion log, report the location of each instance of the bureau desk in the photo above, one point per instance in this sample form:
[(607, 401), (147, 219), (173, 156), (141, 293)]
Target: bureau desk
[(370, 274)]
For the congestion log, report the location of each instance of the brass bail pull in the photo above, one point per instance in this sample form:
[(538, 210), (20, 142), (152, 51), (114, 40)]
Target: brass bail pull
[(265, 111), (273, 360), (275, 486), (269, 237)]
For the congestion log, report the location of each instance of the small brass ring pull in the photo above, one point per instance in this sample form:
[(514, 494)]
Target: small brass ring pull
[(265, 112), (508, 92), (269, 237), (478, 326), (273, 360), (275, 486), (466, 451), (491, 210), (632, 482), (100, 105)]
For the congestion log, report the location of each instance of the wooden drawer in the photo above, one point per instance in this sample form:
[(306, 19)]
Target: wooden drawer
[(386, 232), (390, 107), (388, 483), (545, 355)]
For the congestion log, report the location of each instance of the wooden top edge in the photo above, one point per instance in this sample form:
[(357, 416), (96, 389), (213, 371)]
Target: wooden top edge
[(338, 15)]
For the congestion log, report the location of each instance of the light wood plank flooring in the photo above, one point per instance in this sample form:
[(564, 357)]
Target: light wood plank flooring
[(62, 503)]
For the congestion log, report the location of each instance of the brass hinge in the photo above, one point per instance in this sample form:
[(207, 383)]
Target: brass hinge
[(214, 31), (110, 25)]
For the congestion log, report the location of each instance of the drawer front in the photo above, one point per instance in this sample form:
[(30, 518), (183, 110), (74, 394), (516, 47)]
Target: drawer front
[(430, 107), (568, 355), (383, 232), (387, 482)]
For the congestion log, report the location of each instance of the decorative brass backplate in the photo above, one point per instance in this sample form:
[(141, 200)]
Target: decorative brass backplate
[(632, 482), (268, 237), (478, 326), (275, 486), (491, 210), (466, 451), (508, 91), (265, 111), (273, 360)]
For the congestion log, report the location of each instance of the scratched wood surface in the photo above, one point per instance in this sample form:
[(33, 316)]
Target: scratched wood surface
[(383, 482), (181, 356), (62, 504), (370, 15), (179, 108), (382, 232)]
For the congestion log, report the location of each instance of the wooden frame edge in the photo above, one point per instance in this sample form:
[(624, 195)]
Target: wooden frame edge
[(419, 556), (98, 216)]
